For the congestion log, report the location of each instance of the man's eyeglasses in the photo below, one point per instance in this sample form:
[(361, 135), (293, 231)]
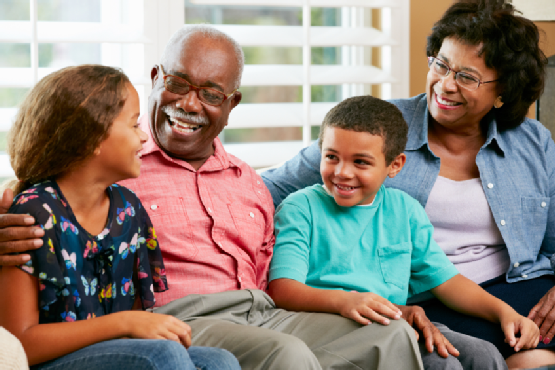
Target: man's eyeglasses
[(180, 86), (463, 79)]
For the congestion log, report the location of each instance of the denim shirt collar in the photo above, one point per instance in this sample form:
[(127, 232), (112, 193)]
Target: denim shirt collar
[(418, 129)]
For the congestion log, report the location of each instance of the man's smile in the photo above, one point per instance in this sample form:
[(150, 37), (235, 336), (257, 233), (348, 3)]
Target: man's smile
[(183, 122), (183, 127)]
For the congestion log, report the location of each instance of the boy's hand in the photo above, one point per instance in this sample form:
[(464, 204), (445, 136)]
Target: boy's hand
[(16, 234), (366, 308), (514, 323), (148, 325), (416, 317)]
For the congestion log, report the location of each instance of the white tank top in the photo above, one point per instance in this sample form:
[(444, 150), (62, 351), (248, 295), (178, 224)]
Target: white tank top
[(465, 229)]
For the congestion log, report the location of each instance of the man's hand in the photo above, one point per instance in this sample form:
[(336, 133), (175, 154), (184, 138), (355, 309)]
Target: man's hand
[(416, 318), (543, 314), (16, 234)]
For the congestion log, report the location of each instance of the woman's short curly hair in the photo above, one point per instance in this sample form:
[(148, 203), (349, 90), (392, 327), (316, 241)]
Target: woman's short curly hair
[(510, 46)]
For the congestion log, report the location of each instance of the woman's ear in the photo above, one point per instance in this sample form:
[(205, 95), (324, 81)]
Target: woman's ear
[(397, 165)]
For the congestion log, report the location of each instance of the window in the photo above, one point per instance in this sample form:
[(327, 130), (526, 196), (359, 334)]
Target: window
[(301, 59), (38, 37)]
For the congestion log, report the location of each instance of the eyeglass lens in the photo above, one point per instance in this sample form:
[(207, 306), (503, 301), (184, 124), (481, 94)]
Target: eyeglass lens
[(181, 87), (463, 79)]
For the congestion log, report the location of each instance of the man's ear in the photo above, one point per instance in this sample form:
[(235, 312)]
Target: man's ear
[(154, 74), (236, 99), (397, 165)]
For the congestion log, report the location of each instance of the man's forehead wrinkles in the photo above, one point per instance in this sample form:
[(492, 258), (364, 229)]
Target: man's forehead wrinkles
[(186, 76)]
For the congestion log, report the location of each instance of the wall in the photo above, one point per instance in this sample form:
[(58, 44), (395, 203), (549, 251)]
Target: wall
[(423, 15), (547, 42)]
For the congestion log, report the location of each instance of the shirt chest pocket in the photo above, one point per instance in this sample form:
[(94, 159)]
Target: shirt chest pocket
[(249, 225), (534, 220), (395, 264), (172, 224)]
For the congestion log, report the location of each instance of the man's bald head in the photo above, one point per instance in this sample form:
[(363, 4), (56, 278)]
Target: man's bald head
[(207, 31)]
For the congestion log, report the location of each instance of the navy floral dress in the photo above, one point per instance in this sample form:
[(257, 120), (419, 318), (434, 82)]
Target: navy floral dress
[(82, 276)]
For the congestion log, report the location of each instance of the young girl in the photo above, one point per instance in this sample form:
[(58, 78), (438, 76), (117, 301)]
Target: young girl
[(71, 304)]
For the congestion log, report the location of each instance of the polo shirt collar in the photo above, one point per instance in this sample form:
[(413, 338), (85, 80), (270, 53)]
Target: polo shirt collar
[(218, 161), (418, 128)]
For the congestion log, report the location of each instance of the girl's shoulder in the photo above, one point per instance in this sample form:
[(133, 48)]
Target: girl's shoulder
[(44, 195)]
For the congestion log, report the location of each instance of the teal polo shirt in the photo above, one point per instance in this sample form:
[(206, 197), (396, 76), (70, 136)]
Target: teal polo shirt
[(385, 248)]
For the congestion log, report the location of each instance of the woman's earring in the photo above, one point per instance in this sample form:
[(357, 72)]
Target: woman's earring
[(498, 103), (97, 151)]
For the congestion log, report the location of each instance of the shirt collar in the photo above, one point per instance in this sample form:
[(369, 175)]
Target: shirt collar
[(418, 128), (220, 160)]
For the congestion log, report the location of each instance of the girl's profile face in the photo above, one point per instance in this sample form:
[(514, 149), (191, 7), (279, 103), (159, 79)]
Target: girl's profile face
[(119, 152)]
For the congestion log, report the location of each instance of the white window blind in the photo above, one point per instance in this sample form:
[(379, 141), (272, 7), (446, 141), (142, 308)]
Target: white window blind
[(302, 57), (38, 37), (371, 40)]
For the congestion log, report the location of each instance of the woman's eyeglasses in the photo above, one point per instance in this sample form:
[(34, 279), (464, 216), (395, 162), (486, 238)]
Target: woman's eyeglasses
[(463, 79)]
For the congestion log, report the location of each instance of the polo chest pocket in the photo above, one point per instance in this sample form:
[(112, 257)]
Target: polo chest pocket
[(395, 264)]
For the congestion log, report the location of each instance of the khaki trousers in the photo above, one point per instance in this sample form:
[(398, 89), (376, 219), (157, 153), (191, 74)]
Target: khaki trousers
[(261, 336)]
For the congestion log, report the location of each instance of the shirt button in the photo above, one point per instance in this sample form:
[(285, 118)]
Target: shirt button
[(209, 210), (251, 214), (503, 222), (258, 182), (543, 204), (153, 207), (516, 265), (490, 185), (524, 276), (239, 278)]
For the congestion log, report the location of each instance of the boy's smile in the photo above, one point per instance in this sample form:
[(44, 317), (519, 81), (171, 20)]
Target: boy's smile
[(353, 165)]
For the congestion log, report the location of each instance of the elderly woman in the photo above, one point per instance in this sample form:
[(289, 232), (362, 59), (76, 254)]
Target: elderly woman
[(484, 172)]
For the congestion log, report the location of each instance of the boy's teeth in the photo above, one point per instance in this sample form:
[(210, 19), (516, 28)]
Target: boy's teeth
[(345, 187)]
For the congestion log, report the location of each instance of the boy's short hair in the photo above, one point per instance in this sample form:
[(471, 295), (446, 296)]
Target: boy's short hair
[(372, 115)]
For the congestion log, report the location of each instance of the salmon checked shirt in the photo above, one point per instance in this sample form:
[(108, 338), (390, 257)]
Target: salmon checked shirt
[(214, 225)]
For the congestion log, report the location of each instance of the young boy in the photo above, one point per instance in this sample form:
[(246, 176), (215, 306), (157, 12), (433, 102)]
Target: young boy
[(356, 248)]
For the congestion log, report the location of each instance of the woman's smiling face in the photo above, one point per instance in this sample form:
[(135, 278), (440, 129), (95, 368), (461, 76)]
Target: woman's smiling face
[(451, 105)]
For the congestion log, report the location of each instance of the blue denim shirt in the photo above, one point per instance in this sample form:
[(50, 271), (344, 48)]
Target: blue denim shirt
[(517, 170)]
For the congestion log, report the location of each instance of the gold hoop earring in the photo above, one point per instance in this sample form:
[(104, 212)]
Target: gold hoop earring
[(498, 103)]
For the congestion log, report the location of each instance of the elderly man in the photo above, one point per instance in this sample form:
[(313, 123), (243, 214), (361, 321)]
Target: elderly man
[(214, 219)]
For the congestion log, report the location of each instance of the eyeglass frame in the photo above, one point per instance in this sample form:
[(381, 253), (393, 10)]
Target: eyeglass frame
[(449, 70), (195, 88)]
